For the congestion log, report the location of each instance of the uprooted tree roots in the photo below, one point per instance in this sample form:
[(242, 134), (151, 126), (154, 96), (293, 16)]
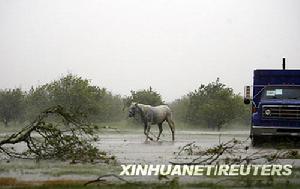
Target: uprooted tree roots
[(55, 134), (231, 152)]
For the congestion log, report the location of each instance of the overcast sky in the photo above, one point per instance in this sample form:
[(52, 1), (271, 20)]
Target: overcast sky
[(124, 45)]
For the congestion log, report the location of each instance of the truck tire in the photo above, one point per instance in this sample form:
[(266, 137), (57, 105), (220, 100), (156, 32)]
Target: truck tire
[(257, 141)]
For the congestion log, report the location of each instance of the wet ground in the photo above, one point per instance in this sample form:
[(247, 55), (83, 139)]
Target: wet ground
[(129, 148)]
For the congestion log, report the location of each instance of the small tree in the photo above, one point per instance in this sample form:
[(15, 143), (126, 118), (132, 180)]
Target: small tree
[(180, 108), (36, 100), (213, 104), (11, 105), (146, 96), (76, 95)]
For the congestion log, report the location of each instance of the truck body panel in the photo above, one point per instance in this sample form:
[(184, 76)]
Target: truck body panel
[(276, 101)]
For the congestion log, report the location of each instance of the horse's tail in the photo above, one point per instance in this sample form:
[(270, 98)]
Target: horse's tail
[(171, 124)]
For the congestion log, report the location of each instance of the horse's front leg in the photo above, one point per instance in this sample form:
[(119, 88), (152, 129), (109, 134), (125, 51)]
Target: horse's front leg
[(146, 131)]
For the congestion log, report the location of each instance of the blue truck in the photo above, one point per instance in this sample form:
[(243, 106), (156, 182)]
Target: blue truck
[(275, 101)]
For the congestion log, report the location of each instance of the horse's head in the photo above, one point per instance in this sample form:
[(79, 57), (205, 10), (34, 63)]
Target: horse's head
[(133, 109)]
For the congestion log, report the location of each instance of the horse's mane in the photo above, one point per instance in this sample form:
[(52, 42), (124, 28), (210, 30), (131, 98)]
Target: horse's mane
[(141, 112)]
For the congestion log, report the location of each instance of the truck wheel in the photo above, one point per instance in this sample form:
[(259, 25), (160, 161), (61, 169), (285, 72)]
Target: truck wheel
[(257, 141)]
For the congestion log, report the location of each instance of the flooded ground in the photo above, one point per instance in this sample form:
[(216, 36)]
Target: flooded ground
[(129, 148)]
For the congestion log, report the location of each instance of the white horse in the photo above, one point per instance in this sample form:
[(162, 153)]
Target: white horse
[(151, 115)]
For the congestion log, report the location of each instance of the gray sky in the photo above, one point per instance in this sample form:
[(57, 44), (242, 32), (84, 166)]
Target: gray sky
[(172, 45)]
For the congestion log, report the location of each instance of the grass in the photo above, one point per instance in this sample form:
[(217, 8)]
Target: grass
[(129, 124), (12, 127), (173, 184), (56, 168)]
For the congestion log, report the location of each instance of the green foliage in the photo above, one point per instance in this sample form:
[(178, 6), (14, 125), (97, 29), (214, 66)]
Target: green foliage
[(213, 105), (11, 105), (73, 93), (78, 96), (180, 108), (146, 96), (36, 100)]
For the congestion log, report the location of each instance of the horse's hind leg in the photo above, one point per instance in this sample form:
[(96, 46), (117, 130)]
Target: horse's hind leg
[(160, 130), (172, 126)]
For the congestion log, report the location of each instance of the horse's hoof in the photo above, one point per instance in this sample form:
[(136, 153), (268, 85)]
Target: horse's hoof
[(146, 142)]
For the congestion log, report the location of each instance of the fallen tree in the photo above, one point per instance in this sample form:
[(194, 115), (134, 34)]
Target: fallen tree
[(231, 152), (55, 134)]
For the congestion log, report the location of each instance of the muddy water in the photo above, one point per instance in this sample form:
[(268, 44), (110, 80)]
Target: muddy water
[(131, 148)]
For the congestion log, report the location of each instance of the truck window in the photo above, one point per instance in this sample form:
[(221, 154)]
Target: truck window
[(286, 92)]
